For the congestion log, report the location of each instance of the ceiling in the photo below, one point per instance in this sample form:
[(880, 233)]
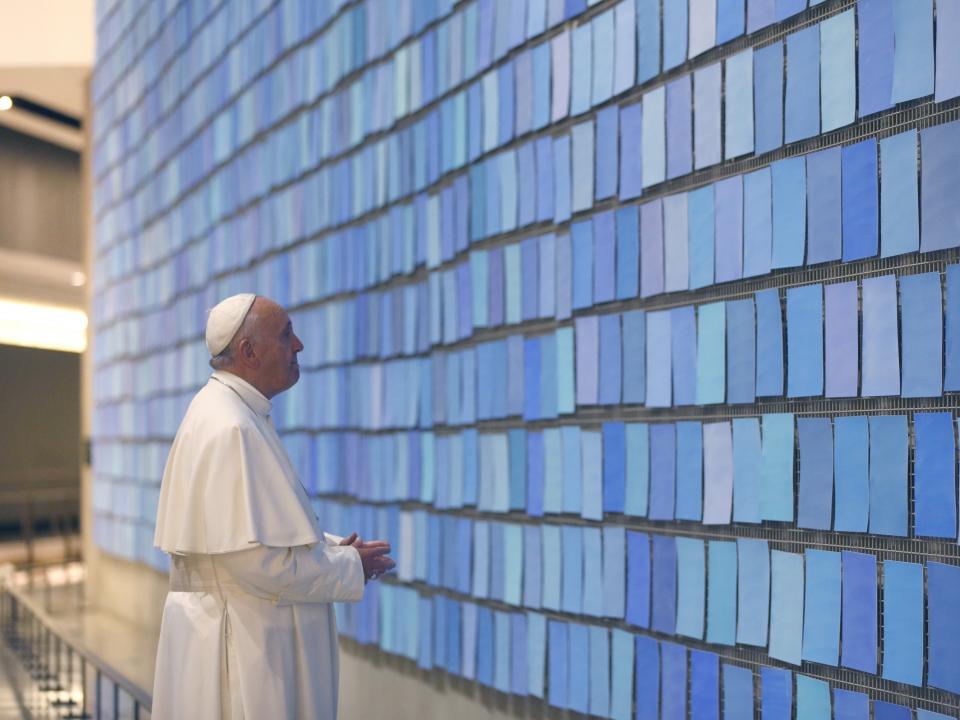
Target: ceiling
[(46, 56), (47, 50)]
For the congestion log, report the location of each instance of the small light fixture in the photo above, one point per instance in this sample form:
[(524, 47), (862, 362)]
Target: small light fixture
[(78, 279), (6, 102)]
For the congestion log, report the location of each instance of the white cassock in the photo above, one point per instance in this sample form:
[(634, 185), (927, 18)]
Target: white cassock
[(248, 630)]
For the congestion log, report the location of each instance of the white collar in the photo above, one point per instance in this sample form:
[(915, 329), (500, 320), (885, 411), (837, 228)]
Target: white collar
[(254, 399)]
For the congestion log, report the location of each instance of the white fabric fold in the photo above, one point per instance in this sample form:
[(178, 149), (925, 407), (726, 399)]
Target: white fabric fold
[(228, 484)]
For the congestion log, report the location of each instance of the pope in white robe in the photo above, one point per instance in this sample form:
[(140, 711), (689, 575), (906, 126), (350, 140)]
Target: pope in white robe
[(248, 629)]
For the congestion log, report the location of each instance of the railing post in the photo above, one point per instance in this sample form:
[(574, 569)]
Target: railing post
[(28, 533), (47, 643), (83, 688), (32, 644), (47, 591), (62, 525), (69, 684)]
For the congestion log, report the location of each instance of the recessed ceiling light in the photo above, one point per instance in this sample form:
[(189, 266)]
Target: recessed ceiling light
[(6, 102), (78, 279), (42, 326)]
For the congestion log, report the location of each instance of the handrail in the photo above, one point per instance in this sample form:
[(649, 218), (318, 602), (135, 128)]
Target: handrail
[(142, 698), (51, 503), (46, 472), (41, 494)]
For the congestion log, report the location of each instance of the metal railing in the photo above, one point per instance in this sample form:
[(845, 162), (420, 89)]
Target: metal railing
[(66, 678), (48, 496)]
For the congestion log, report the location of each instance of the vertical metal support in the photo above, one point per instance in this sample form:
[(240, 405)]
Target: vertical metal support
[(64, 536), (26, 520), (71, 676), (116, 701), (99, 695), (83, 687), (32, 644), (47, 592), (47, 646), (45, 652), (43, 641), (79, 592)]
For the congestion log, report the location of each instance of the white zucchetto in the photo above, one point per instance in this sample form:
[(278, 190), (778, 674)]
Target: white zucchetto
[(225, 319)]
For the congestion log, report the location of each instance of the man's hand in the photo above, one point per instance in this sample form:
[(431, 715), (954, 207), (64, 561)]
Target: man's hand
[(373, 555)]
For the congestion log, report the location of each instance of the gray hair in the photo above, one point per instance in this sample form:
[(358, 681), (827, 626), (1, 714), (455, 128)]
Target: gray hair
[(224, 360)]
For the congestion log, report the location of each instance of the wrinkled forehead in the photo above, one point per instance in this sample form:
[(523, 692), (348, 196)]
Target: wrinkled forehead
[(275, 318)]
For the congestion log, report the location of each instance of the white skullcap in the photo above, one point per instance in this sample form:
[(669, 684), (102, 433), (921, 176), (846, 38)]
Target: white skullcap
[(225, 319)]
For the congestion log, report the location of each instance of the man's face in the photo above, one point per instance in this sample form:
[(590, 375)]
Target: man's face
[(277, 348)]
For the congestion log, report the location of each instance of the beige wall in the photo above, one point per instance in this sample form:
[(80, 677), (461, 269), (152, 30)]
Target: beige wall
[(39, 197), (39, 425), (127, 589), (374, 685)]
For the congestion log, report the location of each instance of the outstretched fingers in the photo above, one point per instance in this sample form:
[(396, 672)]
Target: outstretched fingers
[(376, 544)]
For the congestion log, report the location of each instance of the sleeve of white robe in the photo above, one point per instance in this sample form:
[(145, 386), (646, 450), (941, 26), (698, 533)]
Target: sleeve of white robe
[(303, 574)]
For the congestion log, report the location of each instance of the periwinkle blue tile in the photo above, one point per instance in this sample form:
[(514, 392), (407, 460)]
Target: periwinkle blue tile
[(731, 15), (802, 107), (679, 119), (648, 39), (768, 69)]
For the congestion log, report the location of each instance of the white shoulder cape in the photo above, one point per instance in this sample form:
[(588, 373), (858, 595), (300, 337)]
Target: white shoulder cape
[(228, 484)]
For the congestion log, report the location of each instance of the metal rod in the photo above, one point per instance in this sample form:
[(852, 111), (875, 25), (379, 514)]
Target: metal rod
[(47, 591), (83, 687), (71, 683)]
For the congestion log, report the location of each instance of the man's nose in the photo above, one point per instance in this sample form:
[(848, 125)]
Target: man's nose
[(297, 344)]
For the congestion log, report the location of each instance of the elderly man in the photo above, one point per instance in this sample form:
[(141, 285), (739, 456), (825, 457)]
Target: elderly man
[(248, 629)]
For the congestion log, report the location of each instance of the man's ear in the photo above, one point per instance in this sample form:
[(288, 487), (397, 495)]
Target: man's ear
[(247, 353)]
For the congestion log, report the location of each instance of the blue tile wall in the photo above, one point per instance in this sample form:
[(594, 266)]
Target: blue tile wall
[(634, 325)]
